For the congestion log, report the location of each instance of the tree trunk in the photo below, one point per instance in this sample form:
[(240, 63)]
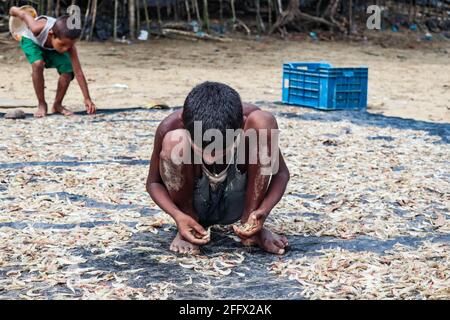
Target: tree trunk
[(116, 7), (40, 6), (269, 6), (280, 6), (330, 14), (169, 10), (88, 8), (50, 7), (319, 5), (197, 12), (259, 23), (233, 10), (293, 15), (206, 14), (350, 17), (132, 18), (138, 18), (175, 10), (58, 8), (147, 17), (94, 17), (188, 10), (158, 12)]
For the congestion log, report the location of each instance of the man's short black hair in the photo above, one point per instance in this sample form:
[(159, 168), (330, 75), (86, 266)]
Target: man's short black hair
[(61, 29), (216, 105)]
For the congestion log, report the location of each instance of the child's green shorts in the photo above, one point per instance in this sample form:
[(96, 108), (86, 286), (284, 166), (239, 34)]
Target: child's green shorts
[(51, 58)]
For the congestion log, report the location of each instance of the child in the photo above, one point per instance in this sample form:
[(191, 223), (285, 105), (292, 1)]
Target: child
[(50, 43), (199, 186)]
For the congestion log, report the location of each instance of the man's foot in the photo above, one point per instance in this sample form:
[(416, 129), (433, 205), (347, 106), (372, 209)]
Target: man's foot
[(58, 108), (268, 241), (182, 246), (42, 110)]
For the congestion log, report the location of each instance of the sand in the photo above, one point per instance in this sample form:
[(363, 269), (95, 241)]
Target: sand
[(407, 83)]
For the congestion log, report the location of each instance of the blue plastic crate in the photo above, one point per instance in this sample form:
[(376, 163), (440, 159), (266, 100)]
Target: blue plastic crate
[(319, 85)]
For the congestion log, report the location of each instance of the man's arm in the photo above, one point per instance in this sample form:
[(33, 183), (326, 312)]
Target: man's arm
[(90, 106), (275, 192), (154, 185), (277, 187), (158, 191), (35, 26)]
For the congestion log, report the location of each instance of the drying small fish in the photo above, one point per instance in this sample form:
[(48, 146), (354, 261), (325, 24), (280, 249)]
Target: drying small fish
[(207, 236), (77, 222), (188, 281), (246, 227)]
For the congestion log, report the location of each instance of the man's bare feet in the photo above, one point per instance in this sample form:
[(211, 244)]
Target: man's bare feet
[(268, 241), (182, 246), (42, 110), (58, 108)]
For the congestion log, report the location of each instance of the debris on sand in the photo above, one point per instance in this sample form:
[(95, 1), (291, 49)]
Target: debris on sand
[(214, 265), (400, 273), (15, 114)]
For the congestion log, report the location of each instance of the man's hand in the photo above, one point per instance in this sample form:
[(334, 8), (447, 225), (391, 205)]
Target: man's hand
[(14, 11), (187, 227), (90, 106), (252, 226)]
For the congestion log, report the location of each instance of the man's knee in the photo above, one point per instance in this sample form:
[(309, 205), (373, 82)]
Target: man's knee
[(67, 76), (176, 146), (261, 125), (262, 134), (38, 66), (260, 119)]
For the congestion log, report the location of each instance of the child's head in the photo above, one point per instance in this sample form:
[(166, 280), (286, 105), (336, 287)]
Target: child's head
[(63, 37), (216, 106)]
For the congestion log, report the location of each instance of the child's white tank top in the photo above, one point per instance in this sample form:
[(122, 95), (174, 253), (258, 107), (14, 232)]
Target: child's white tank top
[(41, 38)]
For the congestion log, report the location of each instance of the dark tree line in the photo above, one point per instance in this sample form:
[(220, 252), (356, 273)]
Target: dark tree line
[(118, 18)]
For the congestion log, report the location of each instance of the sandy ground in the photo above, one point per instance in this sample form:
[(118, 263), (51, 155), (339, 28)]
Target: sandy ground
[(367, 196), (408, 83)]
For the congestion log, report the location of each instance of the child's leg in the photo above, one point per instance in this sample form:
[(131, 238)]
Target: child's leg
[(63, 64), (35, 56), (179, 181), (38, 83), (63, 84), (258, 183)]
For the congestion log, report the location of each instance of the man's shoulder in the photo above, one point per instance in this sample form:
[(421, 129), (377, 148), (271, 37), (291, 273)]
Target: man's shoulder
[(248, 108), (171, 122)]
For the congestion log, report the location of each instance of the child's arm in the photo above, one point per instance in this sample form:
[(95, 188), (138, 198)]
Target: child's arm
[(90, 106), (275, 192), (35, 26), (158, 192), (277, 187)]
